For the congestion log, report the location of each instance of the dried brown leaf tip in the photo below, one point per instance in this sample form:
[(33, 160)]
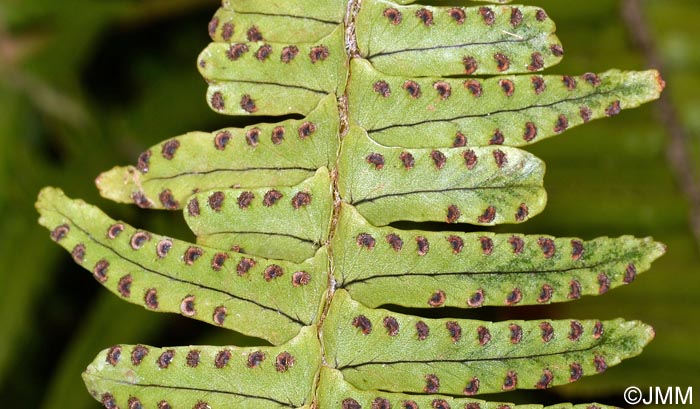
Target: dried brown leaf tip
[(393, 15)]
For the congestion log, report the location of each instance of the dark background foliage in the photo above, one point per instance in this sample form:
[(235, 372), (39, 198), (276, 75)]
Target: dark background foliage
[(86, 85)]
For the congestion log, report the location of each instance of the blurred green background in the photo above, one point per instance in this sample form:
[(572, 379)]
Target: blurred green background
[(86, 85)]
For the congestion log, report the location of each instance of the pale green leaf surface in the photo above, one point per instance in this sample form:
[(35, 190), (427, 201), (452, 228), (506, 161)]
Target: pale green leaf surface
[(219, 377), (504, 185), (169, 275), (252, 78), (278, 154), (494, 117), (473, 269), (333, 391), (265, 222), (423, 40), (283, 22), (390, 356)]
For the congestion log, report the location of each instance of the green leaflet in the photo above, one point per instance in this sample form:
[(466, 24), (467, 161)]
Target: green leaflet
[(259, 78), (207, 376), (279, 22), (423, 40), (258, 297), (383, 350), (334, 392), (466, 270), (280, 154), (481, 185), (512, 110), (276, 207), (283, 223)]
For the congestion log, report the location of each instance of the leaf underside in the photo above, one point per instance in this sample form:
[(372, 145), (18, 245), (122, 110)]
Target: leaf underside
[(295, 242)]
